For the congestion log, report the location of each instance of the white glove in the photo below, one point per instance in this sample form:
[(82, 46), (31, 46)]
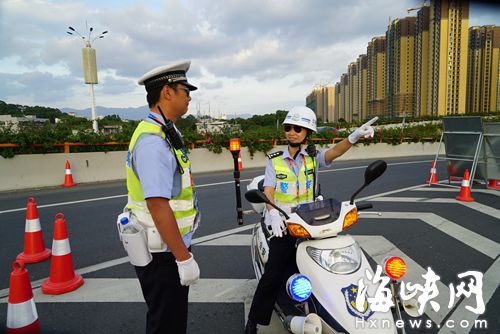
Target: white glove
[(364, 130), (189, 272), (277, 224)]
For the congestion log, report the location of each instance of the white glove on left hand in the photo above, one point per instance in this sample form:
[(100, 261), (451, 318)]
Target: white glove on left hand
[(189, 272), (277, 223), (364, 130)]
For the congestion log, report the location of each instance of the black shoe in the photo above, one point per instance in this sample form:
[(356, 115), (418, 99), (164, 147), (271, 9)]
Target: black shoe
[(251, 327)]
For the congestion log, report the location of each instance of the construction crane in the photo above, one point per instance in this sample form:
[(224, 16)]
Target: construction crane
[(416, 8)]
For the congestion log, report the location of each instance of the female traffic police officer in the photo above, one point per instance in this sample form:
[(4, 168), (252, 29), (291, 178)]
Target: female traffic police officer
[(290, 180), (161, 197)]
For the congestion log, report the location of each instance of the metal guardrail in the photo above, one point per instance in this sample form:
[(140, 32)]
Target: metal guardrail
[(192, 145)]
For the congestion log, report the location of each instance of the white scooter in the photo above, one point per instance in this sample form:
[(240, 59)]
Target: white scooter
[(322, 295)]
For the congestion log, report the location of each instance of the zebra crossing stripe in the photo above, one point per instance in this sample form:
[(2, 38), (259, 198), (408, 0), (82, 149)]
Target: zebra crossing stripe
[(378, 248), (491, 281), (128, 290), (478, 242), (488, 210), (230, 240), (455, 189)]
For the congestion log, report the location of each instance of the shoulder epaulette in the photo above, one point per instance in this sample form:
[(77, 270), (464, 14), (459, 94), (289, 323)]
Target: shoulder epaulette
[(275, 154)]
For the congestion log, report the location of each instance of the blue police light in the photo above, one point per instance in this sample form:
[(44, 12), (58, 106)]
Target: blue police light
[(299, 287)]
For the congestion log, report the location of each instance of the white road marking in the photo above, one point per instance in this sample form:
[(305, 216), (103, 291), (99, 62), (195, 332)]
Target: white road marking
[(115, 262), (230, 240), (128, 290), (481, 244), (488, 210), (456, 189), (197, 186), (379, 248), (67, 203), (491, 281)]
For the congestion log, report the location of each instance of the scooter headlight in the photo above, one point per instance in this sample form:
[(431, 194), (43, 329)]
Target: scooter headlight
[(341, 261)]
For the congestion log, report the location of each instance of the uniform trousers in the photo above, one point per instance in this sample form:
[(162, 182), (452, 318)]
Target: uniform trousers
[(277, 270), (166, 298)]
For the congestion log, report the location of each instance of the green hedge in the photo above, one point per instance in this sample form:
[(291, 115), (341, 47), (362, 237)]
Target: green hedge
[(257, 140)]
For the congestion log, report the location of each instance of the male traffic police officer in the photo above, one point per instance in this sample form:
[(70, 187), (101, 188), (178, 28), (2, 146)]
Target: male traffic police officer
[(162, 199)]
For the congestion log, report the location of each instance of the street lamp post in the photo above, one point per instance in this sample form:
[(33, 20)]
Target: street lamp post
[(89, 66)]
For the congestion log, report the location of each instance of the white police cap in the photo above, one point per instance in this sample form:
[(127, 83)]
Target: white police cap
[(167, 74)]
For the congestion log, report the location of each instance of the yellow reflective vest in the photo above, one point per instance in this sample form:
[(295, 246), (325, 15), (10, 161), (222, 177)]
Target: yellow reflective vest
[(292, 189), (182, 205)]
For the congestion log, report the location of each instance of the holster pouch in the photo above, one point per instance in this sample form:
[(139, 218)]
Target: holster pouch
[(154, 240), (135, 244)]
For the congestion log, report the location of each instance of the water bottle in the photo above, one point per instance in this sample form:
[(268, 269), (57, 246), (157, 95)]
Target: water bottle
[(128, 228), (134, 241)]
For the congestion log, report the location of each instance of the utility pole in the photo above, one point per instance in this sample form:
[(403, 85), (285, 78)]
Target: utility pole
[(89, 65)]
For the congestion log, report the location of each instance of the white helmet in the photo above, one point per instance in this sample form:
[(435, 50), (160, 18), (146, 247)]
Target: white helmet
[(302, 116)]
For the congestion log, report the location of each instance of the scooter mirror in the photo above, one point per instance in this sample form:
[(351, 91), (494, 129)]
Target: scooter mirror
[(256, 196), (374, 170)]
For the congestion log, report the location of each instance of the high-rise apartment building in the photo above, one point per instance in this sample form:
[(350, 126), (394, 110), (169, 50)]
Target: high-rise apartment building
[(448, 48), (362, 70), (352, 109), (375, 86), (322, 101), (312, 101), (421, 62), (421, 67), (336, 106), (343, 97), (330, 94), (400, 69), (483, 69)]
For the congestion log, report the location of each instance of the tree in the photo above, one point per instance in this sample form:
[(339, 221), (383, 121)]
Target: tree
[(187, 123), (263, 121)]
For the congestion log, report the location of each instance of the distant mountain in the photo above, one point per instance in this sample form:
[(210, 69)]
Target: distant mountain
[(126, 113), (244, 116)]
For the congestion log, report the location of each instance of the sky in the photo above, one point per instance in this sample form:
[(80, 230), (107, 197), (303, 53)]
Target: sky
[(248, 57)]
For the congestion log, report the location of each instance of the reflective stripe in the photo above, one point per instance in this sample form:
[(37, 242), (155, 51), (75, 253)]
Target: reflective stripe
[(21, 314), (286, 186), (32, 225), (465, 183), (185, 221), (180, 205), (68, 171), (60, 247), (183, 205), (433, 170)]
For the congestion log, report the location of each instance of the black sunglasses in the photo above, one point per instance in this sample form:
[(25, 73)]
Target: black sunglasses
[(296, 128), (184, 89)]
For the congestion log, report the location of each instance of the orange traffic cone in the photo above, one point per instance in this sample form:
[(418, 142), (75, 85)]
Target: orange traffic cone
[(34, 247), (432, 175), (62, 274), (493, 184), (21, 310), (68, 178), (465, 189), (240, 162)]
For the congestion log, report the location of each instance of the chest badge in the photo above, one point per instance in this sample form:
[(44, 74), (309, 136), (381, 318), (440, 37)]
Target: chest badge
[(281, 176)]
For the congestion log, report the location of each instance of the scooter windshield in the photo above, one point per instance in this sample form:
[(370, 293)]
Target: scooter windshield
[(319, 212)]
